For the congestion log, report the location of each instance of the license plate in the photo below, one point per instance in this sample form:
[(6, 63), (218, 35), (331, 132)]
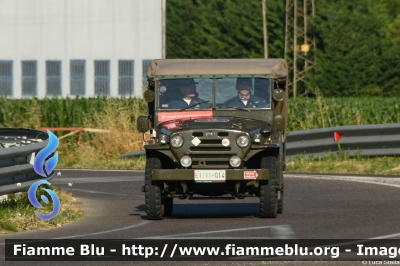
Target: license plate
[(209, 176)]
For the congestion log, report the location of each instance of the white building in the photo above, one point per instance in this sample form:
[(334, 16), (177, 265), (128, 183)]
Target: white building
[(77, 47)]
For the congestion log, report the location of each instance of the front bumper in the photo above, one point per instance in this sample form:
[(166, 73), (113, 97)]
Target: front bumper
[(231, 174)]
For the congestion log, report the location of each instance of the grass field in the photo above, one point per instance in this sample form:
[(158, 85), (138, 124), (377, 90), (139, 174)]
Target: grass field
[(17, 213)]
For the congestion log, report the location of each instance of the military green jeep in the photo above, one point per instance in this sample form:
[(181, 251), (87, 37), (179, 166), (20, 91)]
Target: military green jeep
[(218, 130)]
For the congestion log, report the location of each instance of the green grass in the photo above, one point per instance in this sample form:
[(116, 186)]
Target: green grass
[(17, 213), (304, 113), (344, 164), (312, 113), (134, 163)]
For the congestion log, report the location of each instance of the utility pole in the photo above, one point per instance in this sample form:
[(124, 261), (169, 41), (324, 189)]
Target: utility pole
[(299, 45), (164, 28), (265, 27)]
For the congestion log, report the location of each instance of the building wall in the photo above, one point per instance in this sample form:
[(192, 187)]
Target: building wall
[(50, 35)]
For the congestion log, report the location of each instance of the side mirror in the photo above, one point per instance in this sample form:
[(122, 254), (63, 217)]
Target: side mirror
[(143, 124), (149, 96), (278, 95), (278, 123)]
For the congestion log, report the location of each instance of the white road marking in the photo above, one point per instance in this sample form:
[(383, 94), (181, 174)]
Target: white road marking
[(105, 232), (98, 179), (93, 192), (283, 232), (97, 233), (386, 181), (209, 237), (102, 170), (375, 183)]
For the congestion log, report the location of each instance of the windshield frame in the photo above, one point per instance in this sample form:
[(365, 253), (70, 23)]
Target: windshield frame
[(214, 79)]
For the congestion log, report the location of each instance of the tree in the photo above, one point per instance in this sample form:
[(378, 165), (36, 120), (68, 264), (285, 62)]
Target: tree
[(214, 29), (276, 28), (390, 78), (350, 43), (358, 42)]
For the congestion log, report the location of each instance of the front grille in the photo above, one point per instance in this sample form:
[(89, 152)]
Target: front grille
[(197, 134), (210, 148), (211, 164), (207, 156), (211, 141), (210, 153), (208, 163), (217, 163)]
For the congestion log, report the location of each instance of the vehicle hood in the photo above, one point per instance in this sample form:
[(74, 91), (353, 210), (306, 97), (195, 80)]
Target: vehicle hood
[(238, 123)]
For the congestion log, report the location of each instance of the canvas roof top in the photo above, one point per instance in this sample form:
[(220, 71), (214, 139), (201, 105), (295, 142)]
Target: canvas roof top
[(168, 67)]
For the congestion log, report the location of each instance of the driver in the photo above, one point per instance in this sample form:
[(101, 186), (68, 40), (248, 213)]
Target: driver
[(244, 99), (189, 96)]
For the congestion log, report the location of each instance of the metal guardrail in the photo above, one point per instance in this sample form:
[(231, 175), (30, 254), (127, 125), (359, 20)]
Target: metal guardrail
[(371, 140), (18, 147), (366, 140)]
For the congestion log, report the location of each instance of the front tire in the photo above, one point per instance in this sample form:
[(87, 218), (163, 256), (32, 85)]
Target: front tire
[(268, 197), (154, 208)]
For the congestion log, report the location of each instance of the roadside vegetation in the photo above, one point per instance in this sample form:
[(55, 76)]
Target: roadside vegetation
[(96, 150), (17, 213), (101, 150), (119, 114), (342, 163)]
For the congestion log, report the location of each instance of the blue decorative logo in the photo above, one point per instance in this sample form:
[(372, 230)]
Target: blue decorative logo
[(35, 202), (44, 169), (44, 153)]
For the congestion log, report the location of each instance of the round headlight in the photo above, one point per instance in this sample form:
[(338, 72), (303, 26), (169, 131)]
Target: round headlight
[(242, 141), (235, 161), (186, 161), (176, 141)]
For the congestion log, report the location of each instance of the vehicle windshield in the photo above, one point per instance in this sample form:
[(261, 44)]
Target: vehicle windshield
[(197, 93)]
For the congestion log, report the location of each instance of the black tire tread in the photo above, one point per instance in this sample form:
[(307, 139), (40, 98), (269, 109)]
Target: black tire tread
[(154, 208), (268, 200)]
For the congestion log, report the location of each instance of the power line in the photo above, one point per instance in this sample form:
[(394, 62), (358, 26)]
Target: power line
[(300, 44)]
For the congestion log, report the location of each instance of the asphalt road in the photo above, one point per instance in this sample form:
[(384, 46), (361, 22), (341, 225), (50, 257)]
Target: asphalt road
[(316, 207)]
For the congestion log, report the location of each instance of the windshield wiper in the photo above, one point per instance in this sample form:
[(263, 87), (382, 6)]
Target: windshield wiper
[(193, 105), (235, 107)]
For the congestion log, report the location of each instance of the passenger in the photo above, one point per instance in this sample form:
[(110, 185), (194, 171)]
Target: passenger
[(244, 99), (189, 96)]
